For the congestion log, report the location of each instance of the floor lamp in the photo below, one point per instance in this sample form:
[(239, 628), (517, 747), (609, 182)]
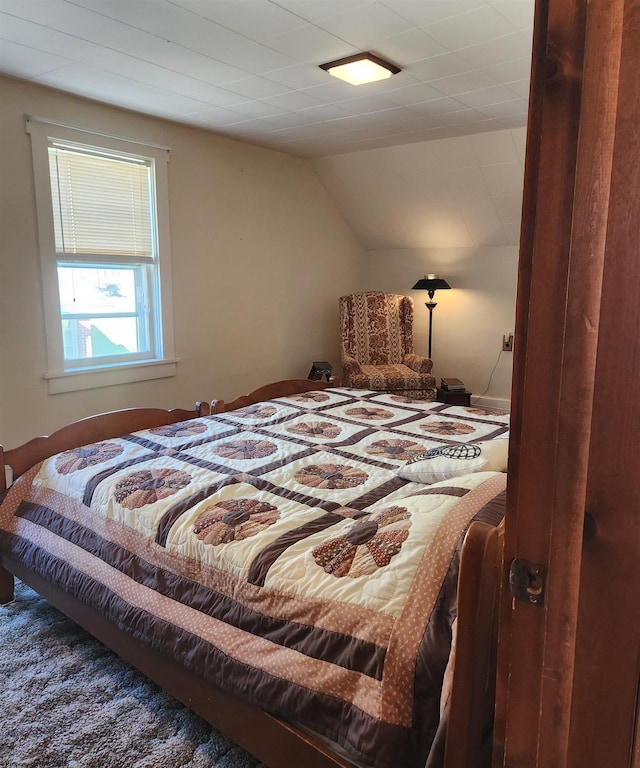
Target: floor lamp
[(431, 284)]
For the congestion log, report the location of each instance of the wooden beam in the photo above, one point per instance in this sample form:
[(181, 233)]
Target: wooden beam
[(569, 670), (607, 662), (545, 266)]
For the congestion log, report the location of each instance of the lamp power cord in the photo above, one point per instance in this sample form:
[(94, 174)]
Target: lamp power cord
[(488, 387)]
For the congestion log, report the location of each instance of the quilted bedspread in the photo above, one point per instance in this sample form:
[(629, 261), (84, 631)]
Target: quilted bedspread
[(275, 550)]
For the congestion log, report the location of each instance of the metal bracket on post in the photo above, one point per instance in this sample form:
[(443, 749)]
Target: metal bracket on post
[(528, 581)]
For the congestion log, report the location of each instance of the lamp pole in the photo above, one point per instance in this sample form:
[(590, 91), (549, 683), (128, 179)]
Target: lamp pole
[(430, 305), (431, 284)]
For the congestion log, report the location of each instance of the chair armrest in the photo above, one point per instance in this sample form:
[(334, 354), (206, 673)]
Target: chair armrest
[(350, 366), (418, 363)]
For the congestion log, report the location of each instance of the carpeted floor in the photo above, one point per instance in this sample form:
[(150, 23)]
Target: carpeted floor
[(68, 702)]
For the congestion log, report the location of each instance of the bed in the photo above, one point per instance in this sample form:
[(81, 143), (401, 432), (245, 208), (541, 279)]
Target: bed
[(269, 563)]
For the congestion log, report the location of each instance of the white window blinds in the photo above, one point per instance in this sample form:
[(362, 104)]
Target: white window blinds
[(102, 205)]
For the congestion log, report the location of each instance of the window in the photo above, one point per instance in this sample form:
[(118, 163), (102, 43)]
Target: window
[(103, 225)]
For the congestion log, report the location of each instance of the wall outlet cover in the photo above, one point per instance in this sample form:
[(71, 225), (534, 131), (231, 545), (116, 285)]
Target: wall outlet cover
[(507, 343)]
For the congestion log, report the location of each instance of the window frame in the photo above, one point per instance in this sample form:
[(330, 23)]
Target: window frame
[(161, 361)]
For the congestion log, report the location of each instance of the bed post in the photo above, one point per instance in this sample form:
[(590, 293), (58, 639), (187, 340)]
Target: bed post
[(3, 472), (472, 700), (6, 586), (6, 578)]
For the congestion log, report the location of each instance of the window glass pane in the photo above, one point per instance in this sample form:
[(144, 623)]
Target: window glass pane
[(98, 290), (104, 311), (100, 337)]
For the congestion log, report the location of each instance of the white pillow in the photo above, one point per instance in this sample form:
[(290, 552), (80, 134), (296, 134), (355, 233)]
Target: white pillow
[(454, 460), (496, 453)]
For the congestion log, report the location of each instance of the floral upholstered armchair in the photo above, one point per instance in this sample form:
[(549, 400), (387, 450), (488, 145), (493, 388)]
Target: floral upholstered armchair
[(377, 346)]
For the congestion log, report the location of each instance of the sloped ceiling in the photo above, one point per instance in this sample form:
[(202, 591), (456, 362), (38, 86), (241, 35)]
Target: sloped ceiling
[(460, 192)]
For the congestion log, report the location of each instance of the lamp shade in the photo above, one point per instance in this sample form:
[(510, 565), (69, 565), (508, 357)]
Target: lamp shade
[(431, 283)]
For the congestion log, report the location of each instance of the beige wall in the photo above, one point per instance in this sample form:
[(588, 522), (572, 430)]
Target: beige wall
[(260, 255), (470, 319)]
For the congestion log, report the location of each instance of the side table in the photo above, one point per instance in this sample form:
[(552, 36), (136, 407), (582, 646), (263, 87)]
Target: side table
[(454, 398)]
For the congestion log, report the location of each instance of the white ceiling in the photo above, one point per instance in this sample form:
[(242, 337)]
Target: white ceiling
[(248, 69)]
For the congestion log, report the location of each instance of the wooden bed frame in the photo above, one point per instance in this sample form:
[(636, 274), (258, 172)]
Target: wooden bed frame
[(275, 742)]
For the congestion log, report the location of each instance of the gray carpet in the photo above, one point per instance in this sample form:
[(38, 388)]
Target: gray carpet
[(68, 702)]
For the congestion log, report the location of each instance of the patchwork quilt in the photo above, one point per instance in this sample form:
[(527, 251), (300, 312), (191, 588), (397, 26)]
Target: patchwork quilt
[(276, 551)]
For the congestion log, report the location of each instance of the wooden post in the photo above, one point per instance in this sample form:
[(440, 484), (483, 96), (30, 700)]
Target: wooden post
[(568, 670), (6, 586)]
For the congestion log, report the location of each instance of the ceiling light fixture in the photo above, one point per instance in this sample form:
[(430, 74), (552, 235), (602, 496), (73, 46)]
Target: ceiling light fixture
[(360, 68)]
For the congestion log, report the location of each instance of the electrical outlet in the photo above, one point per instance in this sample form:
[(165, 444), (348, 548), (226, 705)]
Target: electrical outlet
[(507, 343)]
